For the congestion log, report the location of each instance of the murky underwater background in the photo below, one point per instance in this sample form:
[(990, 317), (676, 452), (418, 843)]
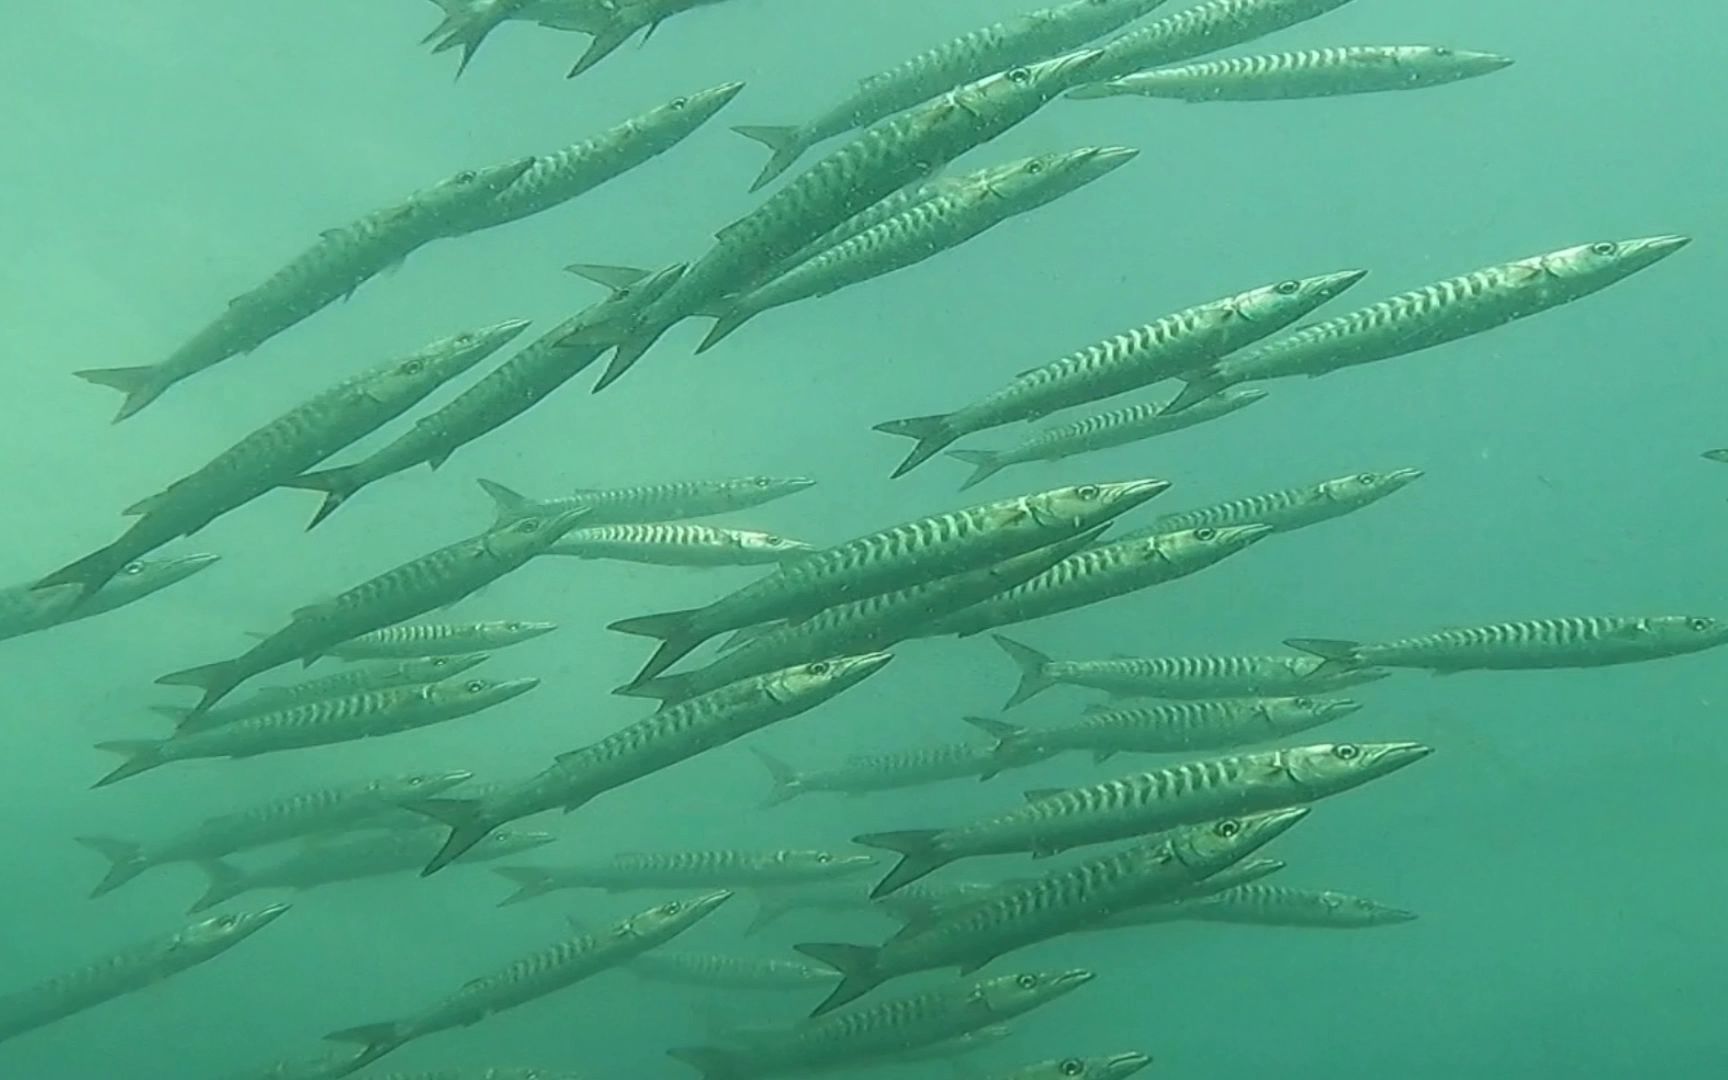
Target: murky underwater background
[(1559, 846)]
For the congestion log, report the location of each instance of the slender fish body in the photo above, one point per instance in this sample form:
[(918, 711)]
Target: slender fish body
[(892, 1028), (892, 559), (1274, 905), (1293, 508), (319, 723), (1205, 28), (650, 503), (1436, 314), (679, 544), (668, 737), (722, 869), (1173, 346), (128, 970), (1310, 73), (341, 261), (356, 680), (555, 968), (1580, 642), (1184, 678), (1024, 39), (862, 774), (945, 221), (408, 641), (971, 935), (719, 972), (1170, 728), (1102, 431), (28, 609), (1103, 573), (414, 588), (1184, 794), (1101, 1067)]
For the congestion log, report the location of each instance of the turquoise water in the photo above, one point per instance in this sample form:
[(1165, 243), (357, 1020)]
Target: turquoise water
[(1556, 845)]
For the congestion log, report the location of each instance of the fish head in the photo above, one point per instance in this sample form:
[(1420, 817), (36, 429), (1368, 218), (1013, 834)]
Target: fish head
[(1038, 180), (525, 537), (827, 864), (1366, 487), (1288, 715), (622, 306), (470, 694), (221, 932), (1685, 633), (425, 669), (767, 545), (683, 115), (421, 785), (1085, 505), (1211, 847), (1326, 768), (502, 842), (1101, 1067), (1195, 549), (1011, 995), (405, 381), (811, 684), (1006, 97), (1270, 308), (1431, 65), (1342, 909), (1231, 399), (516, 631), (761, 489), (470, 187), (674, 917), (141, 577), (1589, 267)]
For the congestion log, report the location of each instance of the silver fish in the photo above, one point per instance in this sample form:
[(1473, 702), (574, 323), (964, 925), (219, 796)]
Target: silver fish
[(1205, 28), (676, 501), (679, 544), (1101, 1067), (718, 869), (864, 773), (1310, 73), (722, 972), (1578, 642), (407, 641), (1292, 508), (27, 609), (355, 680)]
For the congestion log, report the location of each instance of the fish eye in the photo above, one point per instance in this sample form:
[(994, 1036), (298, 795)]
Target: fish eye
[(679, 103), (1700, 624), (1227, 828), (1603, 248), (1033, 168), (1303, 703), (528, 525), (672, 908), (226, 922), (466, 176), (1087, 491), (133, 568), (474, 686), (1026, 982), (760, 481), (1367, 479), (1441, 50), (1071, 1067), (441, 661), (818, 668), (824, 858), (413, 367), (1346, 751), (1205, 536), (1287, 288), (514, 626), (1018, 75), (415, 781)]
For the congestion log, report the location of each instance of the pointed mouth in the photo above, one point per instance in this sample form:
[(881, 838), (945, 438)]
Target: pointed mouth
[(1396, 915), (1243, 535), (1397, 755), (187, 565), (1405, 476), (722, 95), (514, 688), (1342, 707), (454, 777), (704, 904), (1663, 246), (264, 917), (496, 337), (1122, 1065), (1072, 980)]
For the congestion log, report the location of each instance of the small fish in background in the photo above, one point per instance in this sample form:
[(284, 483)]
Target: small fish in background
[(679, 544), (411, 641), (649, 504), (722, 972), (1582, 642), (1277, 905), (862, 774), (1311, 73), (29, 609), (1099, 1067), (728, 869), (1291, 508), (1208, 27)]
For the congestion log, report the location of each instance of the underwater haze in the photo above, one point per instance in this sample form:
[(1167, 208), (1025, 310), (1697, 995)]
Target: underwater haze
[(1557, 846)]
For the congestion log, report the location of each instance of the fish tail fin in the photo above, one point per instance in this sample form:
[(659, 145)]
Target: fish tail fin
[(378, 1039), (142, 755), (1338, 654), (676, 639), (985, 464), (713, 1062), (509, 504), (859, 971), (89, 573), (1032, 664), (468, 826), (918, 856), (730, 321), (784, 146), (141, 385), (605, 43), (614, 278), (216, 680), (787, 784), (667, 689), (931, 432), (529, 883), (338, 485), (630, 350), (1200, 385), (224, 882), (1009, 738), (125, 862), (768, 912)]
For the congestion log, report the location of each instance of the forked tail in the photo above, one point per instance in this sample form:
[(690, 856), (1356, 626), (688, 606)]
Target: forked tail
[(785, 145), (1033, 665), (467, 828), (142, 755), (918, 852), (338, 486), (985, 464), (125, 862), (858, 968), (529, 881), (141, 385), (931, 432)]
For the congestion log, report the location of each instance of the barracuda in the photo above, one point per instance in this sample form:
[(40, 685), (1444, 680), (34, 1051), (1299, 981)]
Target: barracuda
[(972, 935), (1105, 1067), (1101, 431), (668, 737), (1185, 794), (1436, 314), (410, 640), (29, 609), (1171, 347), (357, 680), (1310, 73), (892, 559), (676, 544), (727, 869), (1103, 573), (555, 968), (865, 773), (430, 582), (1206, 28), (730, 972), (649, 503), (1293, 508), (1591, 641), (1275, 905)]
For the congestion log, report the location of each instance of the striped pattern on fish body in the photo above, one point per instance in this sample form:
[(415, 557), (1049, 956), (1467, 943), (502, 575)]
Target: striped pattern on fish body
[(679, 544), (1589, 641), (873, 623), (356, 680), (1171, 728), (408, 641), (1310, 73), (1100, 1067), (534, 976), (1206, 28), (341, 261), (128, 970), (320, 723), (945, 220), (1295, 508), (553, 179), (972, 935), (1024, 39), (1176, 345), (647, 746), (414, 588), (731, 972), (1103, 573), (650, 503), (1170, 909), (934, 1016), (1102, 431), (1185, 794), (27, 609), (1275, 905), (895, 558), (716, 869), (1437, 314)]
